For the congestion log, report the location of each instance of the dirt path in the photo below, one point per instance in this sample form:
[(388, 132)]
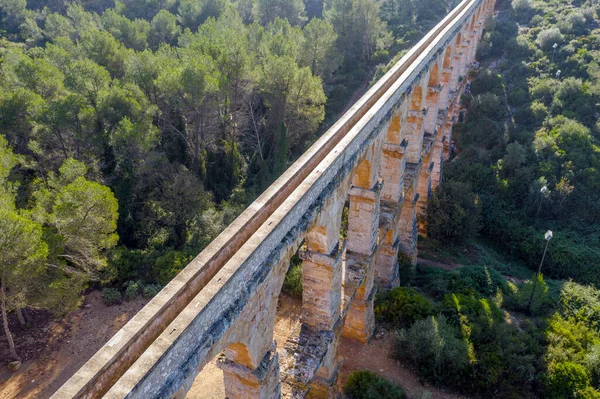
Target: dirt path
[(64, 346), (439, 265)]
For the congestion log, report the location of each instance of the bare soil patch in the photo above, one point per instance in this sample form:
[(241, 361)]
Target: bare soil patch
[(376, 357), (52, 350)]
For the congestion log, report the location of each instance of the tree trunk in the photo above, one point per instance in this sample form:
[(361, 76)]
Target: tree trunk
[(21, 318), (11, 343)]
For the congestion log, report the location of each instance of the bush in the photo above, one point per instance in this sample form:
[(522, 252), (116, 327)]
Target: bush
[(582, 303), (480, 279), (150, 290), (292, 284), (476, 317), (548, 37), (432, 346), (169, 265), (132, 290), (111, 296), (566, 379), (402, 307), (368, 385)]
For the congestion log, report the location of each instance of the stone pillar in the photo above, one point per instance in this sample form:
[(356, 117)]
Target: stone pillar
[(363, 219), (393, 162), (438, 161), (324, 384), (322, 287), (360, 319), (363, 225), (322, 272), (424, 192), (432, 96), (447, 85), (414, 128), (465, 62), (386, 267), (456, 68), (408, 225), (244, 382)]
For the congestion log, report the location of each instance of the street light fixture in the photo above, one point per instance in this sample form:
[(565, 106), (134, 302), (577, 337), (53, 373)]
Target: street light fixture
[(554, 46), (547, 237), (543, 191), (558, 74)]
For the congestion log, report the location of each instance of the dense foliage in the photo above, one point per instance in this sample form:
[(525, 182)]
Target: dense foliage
[(528, 151), (133, 132)]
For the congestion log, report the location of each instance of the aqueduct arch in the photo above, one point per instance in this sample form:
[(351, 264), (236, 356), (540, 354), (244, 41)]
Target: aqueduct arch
[(382, 157)]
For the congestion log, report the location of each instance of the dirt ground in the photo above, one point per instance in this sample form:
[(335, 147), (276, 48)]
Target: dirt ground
[(375, 356), (55, 349), (52, 350)]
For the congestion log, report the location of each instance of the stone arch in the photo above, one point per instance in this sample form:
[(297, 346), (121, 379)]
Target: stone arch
[(458, 40), (362, 175), (472, 24)]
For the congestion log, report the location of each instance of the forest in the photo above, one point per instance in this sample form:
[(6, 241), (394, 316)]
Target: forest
[(132, 132)]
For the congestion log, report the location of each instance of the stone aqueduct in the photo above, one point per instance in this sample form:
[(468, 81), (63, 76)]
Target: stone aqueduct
[(383, 157)]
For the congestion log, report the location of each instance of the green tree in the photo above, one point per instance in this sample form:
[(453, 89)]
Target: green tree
[(23, 250), (453, 212), (318, 48), (268, 11), (164, 29), (82, 218)]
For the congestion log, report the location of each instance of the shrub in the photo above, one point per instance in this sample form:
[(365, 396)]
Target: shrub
[(132, 290), (432, 346), (150, 290), (588, 393), (169, 265), (566, 379), (536, 20), (368, 385), (592, 364), (548, 37), (476, 317), (292, 284), (111, 296), (480, 279), (581, 303), (569, 340), (402, 307)]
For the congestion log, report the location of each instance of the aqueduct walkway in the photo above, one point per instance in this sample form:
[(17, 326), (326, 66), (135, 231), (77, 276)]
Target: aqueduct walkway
[(382, 157)]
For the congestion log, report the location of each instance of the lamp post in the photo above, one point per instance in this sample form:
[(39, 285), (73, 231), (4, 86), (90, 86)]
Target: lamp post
[(554, 46), (543, 191), (547, 237), (558, 74)]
